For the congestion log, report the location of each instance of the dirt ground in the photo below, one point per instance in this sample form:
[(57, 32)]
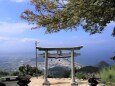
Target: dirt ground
[(37, 81)]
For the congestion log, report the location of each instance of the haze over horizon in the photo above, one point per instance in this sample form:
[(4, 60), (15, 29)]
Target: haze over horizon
[(16, 36)]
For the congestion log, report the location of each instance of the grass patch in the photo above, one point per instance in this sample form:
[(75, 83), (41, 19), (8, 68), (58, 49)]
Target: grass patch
[(108, 75)]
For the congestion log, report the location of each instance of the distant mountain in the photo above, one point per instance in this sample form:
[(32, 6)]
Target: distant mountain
[(102, 64), (59, 72), (113, 58), (89, 69)]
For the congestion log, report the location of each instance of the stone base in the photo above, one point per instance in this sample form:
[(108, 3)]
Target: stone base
[(46, 83), (74, 84)]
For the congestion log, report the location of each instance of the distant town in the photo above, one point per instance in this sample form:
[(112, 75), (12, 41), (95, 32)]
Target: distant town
[(12, 63)]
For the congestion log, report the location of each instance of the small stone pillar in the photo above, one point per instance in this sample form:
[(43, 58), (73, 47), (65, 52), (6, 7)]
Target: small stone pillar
[(23, 80)]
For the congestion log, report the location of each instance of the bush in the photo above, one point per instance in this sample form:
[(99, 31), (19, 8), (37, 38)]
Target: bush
[(28, 70), (3, 73), (89, 69), (108, 75), (15, 73), (58, 72), (67, 74), (81, 75)]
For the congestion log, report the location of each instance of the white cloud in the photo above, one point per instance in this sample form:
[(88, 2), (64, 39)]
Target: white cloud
[(28, 40), (93, 42), (19, 0), (7, 27), (12, 44), (9, 39)]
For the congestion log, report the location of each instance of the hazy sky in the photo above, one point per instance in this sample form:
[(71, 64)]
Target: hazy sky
[(16, 36)]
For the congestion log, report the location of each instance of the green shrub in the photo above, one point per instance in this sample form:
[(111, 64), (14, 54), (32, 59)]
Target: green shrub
[(67, 74), (28, 70), (15, 73), (80, 75), (89, 69), (3, 73), (108, 75), (59, 72)]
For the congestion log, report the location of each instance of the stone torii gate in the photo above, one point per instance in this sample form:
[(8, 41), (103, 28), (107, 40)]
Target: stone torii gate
[(46, 82)]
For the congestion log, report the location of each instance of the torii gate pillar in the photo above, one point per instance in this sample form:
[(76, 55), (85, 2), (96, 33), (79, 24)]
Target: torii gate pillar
[(46, 82), (73, 82)]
